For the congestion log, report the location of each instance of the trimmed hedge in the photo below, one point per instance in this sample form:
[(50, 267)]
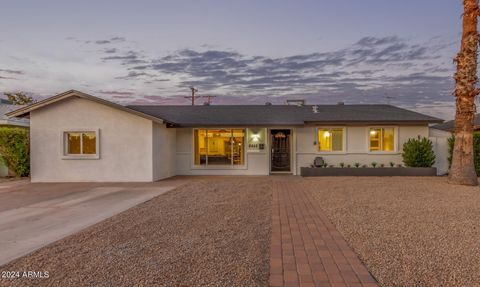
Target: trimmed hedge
[(418, 152), (476, 151), (15, 150)]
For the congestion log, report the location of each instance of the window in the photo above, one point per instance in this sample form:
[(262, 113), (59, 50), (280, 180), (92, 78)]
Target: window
[(219, 147), (81, 144), (330, 139), (382, 139)]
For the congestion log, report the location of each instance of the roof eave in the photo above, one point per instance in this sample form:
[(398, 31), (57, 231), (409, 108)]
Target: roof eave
[(24, 111)]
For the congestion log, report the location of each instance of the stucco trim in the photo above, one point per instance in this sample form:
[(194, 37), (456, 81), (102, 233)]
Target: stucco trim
[(25, 111)]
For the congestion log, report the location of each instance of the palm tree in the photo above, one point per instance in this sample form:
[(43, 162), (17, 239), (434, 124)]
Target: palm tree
[(462, 170)]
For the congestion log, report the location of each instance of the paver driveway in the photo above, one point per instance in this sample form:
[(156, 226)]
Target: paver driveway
[(34, 215)]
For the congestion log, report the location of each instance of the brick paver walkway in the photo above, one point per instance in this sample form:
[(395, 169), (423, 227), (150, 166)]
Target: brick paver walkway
[(306, 248)]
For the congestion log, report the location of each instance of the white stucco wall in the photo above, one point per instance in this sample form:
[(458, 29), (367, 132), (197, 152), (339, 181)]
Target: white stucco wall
[(125, 144), (256, 163), (356, 146), (164, 149), (439, 139)]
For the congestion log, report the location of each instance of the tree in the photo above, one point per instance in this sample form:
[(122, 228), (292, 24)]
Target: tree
[(19, 98), (462, 170)]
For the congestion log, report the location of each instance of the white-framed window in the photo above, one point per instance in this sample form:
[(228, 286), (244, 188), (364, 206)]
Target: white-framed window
[(81, 144), (219, 147), (382, 139), (331, 139)]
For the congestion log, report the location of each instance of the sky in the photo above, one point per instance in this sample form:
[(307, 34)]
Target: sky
[(242, 52)]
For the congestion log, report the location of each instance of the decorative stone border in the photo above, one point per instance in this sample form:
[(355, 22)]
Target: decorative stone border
[(368, 171)]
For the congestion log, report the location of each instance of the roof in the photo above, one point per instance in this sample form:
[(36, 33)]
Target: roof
[(449, 126), (278, 115), (252, 115), (25, 111), (6, 107)]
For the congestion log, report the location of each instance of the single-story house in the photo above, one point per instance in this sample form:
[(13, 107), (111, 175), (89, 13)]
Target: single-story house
[(79, 137)]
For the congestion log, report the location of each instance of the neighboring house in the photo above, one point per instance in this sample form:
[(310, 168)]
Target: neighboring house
[(439, 134), (79, 137), (7, 106)]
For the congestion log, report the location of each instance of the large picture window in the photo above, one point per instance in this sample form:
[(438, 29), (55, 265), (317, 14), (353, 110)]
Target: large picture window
[(382, 139), (219, 146), (330, 139), (81, 143)]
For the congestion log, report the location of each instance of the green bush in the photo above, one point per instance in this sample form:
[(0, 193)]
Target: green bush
[(476, 151), (418, 152), (14, 148)]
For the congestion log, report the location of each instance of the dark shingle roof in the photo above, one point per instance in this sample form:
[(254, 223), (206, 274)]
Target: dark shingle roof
[(450, 125), (278, 115)]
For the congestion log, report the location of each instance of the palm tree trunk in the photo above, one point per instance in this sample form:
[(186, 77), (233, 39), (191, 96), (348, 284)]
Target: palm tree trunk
[(462, 170)]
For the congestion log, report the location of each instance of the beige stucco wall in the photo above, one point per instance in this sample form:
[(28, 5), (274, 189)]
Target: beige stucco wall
[(356, 146), (125, 144), (256, 163)]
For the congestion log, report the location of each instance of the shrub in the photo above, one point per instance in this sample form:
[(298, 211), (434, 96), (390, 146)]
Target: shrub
[(342, 164), (14, 148), (476, 151), (418, 152), (374, 164), (357, 164), (392, 164)]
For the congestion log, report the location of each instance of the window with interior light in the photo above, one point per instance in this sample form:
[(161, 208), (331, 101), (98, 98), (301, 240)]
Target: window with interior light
[(219, 147), (382, 139), (330, 139), (81, 144)]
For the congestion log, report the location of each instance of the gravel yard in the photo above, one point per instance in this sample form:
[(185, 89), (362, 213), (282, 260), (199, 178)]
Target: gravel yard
[(408, 231), (210, 232)]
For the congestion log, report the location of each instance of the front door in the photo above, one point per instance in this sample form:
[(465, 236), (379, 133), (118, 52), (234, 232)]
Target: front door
[(280, 156)]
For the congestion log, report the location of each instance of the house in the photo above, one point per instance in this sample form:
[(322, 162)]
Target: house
[(7, 106), (79, 137), (439, 134)]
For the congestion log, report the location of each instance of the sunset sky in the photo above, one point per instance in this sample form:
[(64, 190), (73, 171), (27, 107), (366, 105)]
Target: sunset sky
[(244, 52)]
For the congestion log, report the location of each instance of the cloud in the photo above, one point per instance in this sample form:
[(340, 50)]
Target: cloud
[(115, 39), (129, 58), (110, 51), (371, 70), (16, 72), (115, 93)]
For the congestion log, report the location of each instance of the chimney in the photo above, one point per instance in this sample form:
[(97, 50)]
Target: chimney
[(268, 104), (341, 103)]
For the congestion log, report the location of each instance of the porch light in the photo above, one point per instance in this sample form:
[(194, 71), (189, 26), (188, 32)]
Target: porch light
[(326, 134), (373, 132), (255, 137)]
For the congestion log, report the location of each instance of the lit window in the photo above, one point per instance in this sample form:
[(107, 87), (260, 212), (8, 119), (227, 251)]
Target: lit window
[(81, 143), (382, 139), (330, 139), (219, 147)]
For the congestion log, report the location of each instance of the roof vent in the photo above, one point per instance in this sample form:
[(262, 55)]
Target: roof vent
[(315, 109), (341, 103), (206, 104), (268, 104)]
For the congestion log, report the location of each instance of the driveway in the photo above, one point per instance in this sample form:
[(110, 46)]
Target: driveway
[(33, 215)]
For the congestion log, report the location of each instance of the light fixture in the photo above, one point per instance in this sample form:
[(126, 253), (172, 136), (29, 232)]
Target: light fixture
[(326, 134), (373, 132), (255, 137)]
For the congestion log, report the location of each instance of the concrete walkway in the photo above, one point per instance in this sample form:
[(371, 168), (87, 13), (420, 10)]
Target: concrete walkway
[(306, 249), (34, 215)]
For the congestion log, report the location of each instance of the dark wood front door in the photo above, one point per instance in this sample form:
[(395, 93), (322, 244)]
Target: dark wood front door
[(280, 156)]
